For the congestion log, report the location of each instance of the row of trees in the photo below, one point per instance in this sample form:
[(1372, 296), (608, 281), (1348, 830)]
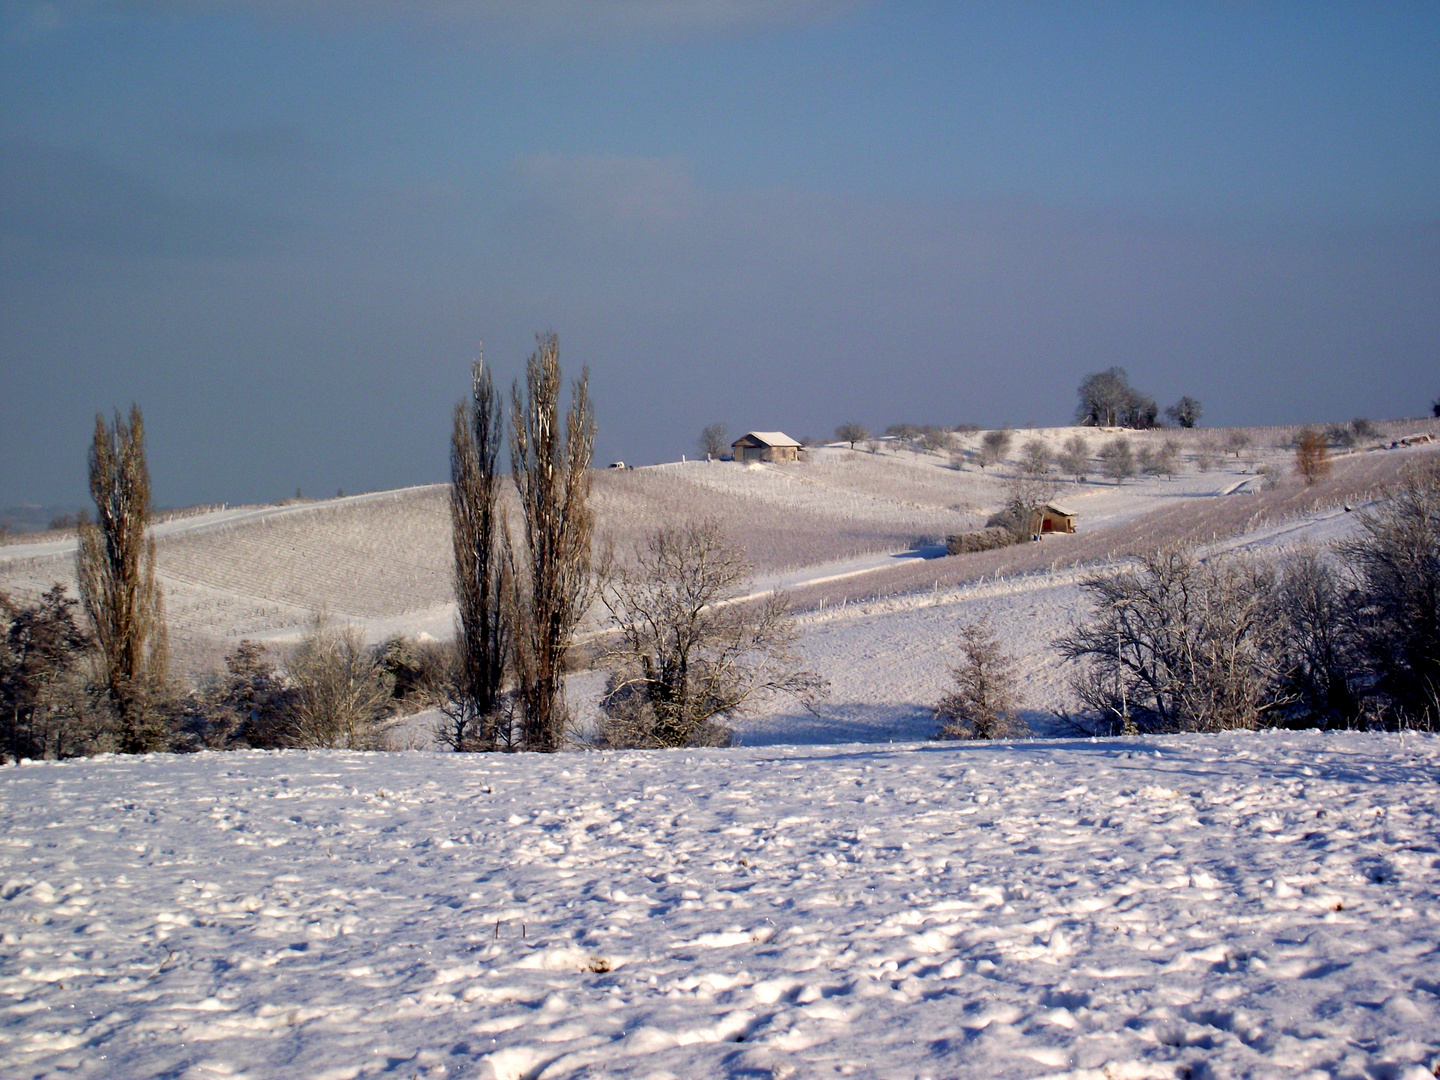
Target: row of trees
[(683, 647), (1338, 637), (1328, 638), (519, 599)]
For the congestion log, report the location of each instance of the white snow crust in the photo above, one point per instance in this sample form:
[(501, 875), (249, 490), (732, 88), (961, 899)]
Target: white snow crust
[(1197, 906)]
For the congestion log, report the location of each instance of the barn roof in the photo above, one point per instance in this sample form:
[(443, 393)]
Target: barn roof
[(1058, 509), (766, 438)]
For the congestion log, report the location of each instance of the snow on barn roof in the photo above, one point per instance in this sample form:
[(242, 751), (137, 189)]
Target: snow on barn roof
[(767, 438), (1057, 508)]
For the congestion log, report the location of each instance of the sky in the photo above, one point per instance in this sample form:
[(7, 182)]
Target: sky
[(285, 229)]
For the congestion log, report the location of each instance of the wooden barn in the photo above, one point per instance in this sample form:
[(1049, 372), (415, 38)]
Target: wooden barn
[(765, 446), (1055, 518)]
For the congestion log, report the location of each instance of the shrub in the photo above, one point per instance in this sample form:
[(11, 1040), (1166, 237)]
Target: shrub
[(983, 704), (339, 692), (987, 539), (1117, 460), (686, 652), (1312, 459), (1180, 645)]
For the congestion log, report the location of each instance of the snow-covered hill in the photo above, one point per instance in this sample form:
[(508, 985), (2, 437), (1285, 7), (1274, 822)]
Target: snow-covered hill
[(839, 531)]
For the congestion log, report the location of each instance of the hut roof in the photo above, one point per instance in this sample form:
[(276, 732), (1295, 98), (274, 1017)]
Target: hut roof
[(1058, 509), (766, 438)]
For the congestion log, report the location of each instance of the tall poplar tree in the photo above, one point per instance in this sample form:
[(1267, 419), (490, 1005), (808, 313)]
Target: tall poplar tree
[(115, 566), (551, 582)]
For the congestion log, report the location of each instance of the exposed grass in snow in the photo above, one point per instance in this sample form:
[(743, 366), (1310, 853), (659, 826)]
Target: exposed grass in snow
[(1223, 906)]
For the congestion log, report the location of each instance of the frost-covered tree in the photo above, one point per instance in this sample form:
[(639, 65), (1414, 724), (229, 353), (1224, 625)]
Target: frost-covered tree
[(1117, 460), (42, 660), (686, 651), (1075, 459), (1180, 644), (1035, 457), (994, 445), (1161, 460), (712, 442), (1102, 398), (1396, 558), (339, 691), (852, 431), (1185, 412), (985, 700)]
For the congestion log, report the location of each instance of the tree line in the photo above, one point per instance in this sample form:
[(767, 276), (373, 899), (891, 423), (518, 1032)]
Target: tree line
[(684, 647), (1335, 637)]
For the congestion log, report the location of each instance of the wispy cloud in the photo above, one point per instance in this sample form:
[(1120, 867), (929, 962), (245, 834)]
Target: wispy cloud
[(57, 202)]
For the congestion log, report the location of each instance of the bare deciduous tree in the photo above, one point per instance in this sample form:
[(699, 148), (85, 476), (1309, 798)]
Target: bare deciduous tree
[(339, 691), (688, 652), (1075, 459), (994, 445), (1161, 460), (1117, 460), (1237, 441), (1178, 644), (115, 566), (1397, 561), (1323, 666), (1312, 457), (1035, 457), (985, 700), (1025, 499), (935, 440), (483, 638), (712, 441), (1102, 398), (550, 572)]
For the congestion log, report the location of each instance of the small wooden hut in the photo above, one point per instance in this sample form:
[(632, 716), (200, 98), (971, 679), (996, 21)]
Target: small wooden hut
[(1056, 518), (765, 446)]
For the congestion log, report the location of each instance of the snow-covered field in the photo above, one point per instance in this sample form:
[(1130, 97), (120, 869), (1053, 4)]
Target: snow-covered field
[(1223, 906), (831, 898)]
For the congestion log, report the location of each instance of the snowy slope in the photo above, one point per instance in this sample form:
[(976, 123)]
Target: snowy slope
[(1240, 905)]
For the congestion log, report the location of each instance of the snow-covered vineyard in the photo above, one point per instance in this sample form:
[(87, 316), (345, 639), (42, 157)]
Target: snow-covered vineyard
[(1238, 905)]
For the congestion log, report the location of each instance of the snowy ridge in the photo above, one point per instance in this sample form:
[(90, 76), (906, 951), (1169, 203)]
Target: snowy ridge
[(1224, 906)]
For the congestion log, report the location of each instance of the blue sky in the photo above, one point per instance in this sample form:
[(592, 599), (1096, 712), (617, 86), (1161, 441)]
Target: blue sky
[(284, 227)]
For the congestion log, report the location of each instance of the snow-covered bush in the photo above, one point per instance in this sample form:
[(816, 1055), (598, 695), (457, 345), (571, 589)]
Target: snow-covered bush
[(985, 700), (687, 650), (1180, 644)]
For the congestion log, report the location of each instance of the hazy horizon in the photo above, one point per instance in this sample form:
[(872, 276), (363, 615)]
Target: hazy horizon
[(284, 233)]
